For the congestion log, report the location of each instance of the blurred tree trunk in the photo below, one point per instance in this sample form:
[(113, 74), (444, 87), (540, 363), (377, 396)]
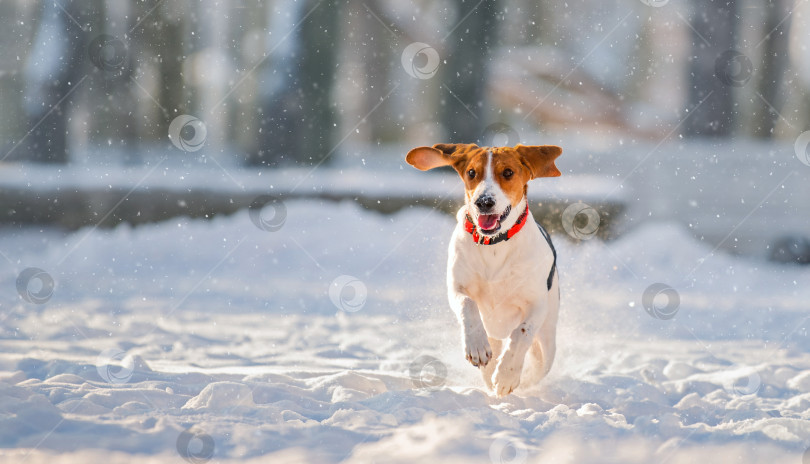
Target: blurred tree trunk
[(377, 64), (465, 69), (775, 61), (53, 70), (714, 28), (297, 120), (167, 44), (111, 101)]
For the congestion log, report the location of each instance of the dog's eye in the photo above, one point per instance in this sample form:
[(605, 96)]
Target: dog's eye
[(507, 173), (471, 173)]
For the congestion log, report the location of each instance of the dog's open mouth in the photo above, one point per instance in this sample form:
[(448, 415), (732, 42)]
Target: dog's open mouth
[(491, 223)]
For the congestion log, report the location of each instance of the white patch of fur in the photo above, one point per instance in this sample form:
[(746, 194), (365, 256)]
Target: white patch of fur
[(489, 186)]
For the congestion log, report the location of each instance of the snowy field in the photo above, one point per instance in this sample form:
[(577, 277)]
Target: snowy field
[(217, 341)]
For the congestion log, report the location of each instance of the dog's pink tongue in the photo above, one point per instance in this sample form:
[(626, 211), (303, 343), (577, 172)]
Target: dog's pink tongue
[(488, 221)]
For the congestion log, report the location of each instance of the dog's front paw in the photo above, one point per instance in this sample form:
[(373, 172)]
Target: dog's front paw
[(477, 349), (505, 379)]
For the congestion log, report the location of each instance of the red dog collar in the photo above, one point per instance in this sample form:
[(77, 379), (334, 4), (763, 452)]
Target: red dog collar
[(469, 226)]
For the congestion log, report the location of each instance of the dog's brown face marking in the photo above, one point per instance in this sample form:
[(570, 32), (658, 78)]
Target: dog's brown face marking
[(510, 173), (471, 164)]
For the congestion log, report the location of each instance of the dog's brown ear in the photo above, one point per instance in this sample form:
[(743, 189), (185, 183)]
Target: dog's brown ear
[(441, 154), (540, 159), (424, 158)]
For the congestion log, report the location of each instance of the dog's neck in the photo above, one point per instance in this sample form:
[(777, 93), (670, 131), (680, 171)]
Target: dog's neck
[(517, 224)]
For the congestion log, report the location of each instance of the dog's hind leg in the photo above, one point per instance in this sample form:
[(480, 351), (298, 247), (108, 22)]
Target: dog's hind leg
[(539, 363), (540, 357), (544, 345), (489, 369)]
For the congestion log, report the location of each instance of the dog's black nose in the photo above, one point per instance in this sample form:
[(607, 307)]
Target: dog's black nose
[(485, 203)]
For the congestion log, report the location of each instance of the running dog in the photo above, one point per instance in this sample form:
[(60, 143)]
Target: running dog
[(502, 277)]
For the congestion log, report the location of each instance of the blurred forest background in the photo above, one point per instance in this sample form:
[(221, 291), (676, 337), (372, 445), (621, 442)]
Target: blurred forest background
[(289, 82)]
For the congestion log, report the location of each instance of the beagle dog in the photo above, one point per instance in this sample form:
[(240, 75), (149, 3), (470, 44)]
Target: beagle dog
[(502, 277)]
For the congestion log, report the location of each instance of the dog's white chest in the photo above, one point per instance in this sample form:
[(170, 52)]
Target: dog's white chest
[(505, 280)]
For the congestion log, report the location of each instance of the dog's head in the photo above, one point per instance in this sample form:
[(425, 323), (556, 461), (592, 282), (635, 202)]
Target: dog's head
[(494, 178)]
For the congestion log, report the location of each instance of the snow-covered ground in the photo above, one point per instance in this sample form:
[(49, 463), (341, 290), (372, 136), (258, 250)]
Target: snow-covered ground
[(330, 340)]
